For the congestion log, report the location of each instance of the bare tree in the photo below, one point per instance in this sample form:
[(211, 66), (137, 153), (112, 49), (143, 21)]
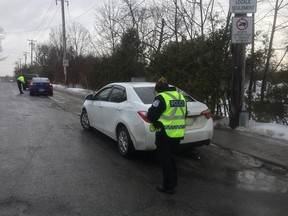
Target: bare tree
[(172, 19), (113, 19), (137, 15), (279, 5), (56, 38), (108, 25), (189, 17), (78, 39), (187, 12), (132, 12)]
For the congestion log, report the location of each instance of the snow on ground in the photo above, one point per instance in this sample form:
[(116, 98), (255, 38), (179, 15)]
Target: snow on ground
[(269, 129), (273, 130)]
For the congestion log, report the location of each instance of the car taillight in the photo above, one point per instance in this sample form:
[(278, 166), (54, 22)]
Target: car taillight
[(206, 113), (31, 84), (143, 115), (49, 84)]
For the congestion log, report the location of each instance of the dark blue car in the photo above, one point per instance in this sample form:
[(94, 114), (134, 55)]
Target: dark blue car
[(40, 86)]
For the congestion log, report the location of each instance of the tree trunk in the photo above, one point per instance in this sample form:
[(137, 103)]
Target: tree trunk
[(251, 79), (269, 54)]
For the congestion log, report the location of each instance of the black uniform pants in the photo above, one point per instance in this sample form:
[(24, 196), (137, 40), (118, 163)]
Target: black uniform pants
[(166, 148), (19, 83)]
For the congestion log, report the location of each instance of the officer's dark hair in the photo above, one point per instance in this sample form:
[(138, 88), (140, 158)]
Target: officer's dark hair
[(161, 85)]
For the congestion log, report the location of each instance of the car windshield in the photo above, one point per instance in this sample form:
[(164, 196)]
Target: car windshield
[(30, 76), (40, 79), (147, 94)]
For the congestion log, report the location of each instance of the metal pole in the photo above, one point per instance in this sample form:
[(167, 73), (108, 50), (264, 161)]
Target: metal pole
[(32, 43), (25, 55), (238, 82), (64, 41)]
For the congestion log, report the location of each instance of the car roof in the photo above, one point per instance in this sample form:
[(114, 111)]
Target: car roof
[(134, 84), (31, 75)]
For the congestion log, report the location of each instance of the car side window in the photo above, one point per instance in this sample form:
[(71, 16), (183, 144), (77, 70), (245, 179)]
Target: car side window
[(103, 95), (118, 95)]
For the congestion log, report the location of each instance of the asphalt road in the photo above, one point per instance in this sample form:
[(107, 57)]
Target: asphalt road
[(50, 166)]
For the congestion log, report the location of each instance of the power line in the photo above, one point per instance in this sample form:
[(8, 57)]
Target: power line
[(44, 19), (71, 20), (44, 29), (49, 27), (27, 31)]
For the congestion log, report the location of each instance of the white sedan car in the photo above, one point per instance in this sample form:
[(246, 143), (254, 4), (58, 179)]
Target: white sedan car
[(119, 111)]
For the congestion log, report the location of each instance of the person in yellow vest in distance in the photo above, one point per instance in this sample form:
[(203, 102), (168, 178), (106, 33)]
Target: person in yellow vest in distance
[(167, 116), (20, 82)]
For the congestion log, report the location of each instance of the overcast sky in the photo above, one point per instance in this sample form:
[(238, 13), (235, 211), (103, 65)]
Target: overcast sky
[(24, 20)]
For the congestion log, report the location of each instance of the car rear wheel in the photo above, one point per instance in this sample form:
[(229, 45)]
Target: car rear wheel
[(125, 145), (85, 120)]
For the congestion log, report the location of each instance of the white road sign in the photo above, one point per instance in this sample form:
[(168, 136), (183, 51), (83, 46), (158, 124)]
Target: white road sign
[(242, 31), (65, 62), (242, 6)]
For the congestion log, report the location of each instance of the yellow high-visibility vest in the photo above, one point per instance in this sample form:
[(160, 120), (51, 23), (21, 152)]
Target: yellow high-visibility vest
[(173, 118), (21, 79)]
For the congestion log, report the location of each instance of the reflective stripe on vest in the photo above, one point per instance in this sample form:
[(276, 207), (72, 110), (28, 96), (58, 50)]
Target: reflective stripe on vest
[(173, 118)]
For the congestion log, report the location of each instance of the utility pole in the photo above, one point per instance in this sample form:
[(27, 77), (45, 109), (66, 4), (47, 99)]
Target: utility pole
[(242, 34), (25, 55), (20, 62), (65, 60), (238, 81), (32, 44)]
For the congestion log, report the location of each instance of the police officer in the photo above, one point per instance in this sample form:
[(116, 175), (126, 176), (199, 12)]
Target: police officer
[(167, 115), (20, 82)]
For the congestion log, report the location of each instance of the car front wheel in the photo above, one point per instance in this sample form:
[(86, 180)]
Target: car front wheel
[(125, 145), (85, 120)]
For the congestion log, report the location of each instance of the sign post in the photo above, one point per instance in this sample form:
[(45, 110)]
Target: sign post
[(242, 34)]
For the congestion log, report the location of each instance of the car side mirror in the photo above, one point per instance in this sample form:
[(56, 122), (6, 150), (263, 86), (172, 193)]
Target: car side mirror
[(89, 97)]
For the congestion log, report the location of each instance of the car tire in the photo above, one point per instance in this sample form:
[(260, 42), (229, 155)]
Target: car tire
[(85, 120), (125, 145)]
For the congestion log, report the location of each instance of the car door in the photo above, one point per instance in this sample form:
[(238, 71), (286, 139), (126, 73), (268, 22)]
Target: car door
[(113, 108), (96, 108)]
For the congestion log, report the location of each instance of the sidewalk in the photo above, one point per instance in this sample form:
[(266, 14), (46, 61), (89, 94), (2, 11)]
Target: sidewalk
[(270, 150)]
